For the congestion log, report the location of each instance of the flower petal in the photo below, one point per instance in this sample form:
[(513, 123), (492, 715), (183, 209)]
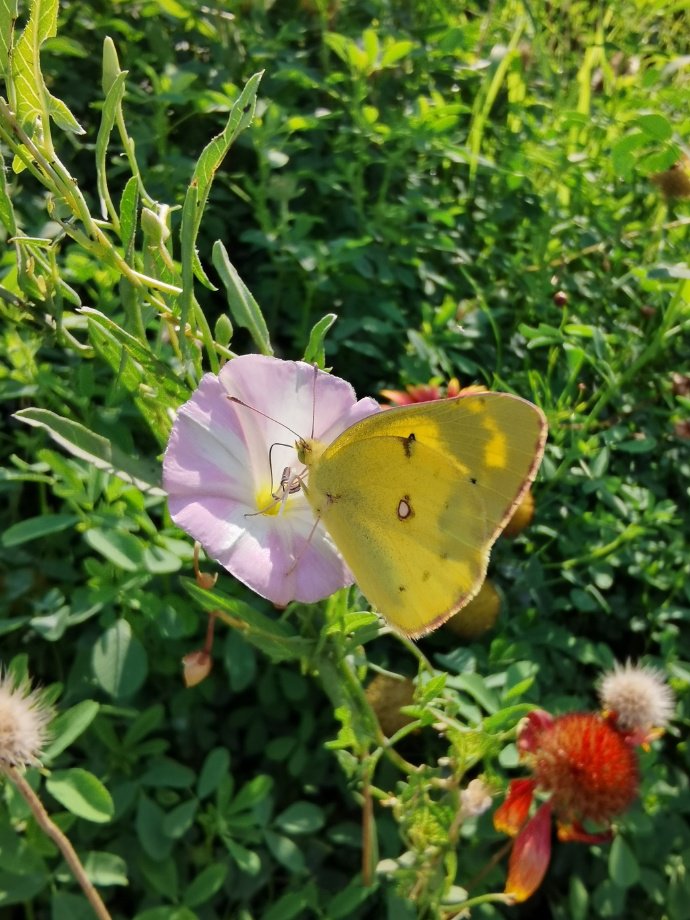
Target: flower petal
[(575, 833), (224, 459), (531, 727), (530, 856), (510, 816)]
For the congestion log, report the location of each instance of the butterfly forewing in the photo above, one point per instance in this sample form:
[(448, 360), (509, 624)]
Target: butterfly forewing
[(415, 497)]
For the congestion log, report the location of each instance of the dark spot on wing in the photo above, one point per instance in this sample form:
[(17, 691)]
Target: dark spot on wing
[(407, 443), (426, 576), (473, 480), (443, 555), (402, 588)]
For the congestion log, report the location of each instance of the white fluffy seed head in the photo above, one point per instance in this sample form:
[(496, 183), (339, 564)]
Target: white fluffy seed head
[(638, 695), (24, 719)]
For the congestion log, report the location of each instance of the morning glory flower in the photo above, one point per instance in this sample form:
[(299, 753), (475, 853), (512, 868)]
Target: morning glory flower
[(223, 468)]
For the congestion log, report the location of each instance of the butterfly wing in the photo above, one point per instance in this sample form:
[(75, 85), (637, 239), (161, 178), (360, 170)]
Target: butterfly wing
[(415, 497)]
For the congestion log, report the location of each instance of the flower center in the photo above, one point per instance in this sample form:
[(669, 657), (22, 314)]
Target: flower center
[(266, 503)]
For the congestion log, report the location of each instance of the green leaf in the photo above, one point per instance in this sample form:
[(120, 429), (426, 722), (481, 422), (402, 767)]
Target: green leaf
[(167, 913), (62, 116), (578, 899), (6, 208), (251, 794), (120, 547), (15, 889), (150, 826), (209, 162), (66, 906), (246, 860), (111, 107), (178, 821), (106, 868), (94, 448), (69, 725), (205, 885), (166, 772), (315, 352), (301, 818), (119, 661), (36, 527), (8, 14), (475, 686), (82, 794), (285, 851), (215, 767), (26, 64), (624, 869), (288, 906), (275, 638), (345, 902), (156, 389), (245, 310), (655, 126)]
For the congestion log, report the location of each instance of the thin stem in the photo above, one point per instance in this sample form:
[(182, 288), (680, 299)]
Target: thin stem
[(48, 826)]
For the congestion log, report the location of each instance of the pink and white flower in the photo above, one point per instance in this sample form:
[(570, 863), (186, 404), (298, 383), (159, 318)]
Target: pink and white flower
[(224, 462)]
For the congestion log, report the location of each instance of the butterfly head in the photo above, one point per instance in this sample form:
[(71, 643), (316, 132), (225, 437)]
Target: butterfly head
[(309, 451)]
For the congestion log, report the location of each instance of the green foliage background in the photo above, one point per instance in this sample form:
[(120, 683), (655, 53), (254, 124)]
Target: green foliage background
[(469, 189)]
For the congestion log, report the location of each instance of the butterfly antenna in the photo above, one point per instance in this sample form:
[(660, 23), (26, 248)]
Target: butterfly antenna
[(313, 401), (270, 418)]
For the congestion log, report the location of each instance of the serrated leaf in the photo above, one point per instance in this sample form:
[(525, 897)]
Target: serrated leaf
[(82, 794)]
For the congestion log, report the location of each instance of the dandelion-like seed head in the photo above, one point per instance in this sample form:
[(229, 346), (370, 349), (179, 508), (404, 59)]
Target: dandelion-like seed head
[(637, 696), (588, 767), (24, 719)]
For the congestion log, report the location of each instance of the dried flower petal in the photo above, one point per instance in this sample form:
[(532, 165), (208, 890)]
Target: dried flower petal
[(24, 720)]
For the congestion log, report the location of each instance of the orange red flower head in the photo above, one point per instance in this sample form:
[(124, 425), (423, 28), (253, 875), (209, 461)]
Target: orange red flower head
[(584, 771)]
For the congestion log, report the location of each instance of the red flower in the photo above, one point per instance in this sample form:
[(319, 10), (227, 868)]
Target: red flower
[(529, 858), (588, 770), (423, 392)]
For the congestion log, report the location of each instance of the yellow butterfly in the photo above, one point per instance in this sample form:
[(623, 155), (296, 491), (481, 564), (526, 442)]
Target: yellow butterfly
[(415, 497)]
